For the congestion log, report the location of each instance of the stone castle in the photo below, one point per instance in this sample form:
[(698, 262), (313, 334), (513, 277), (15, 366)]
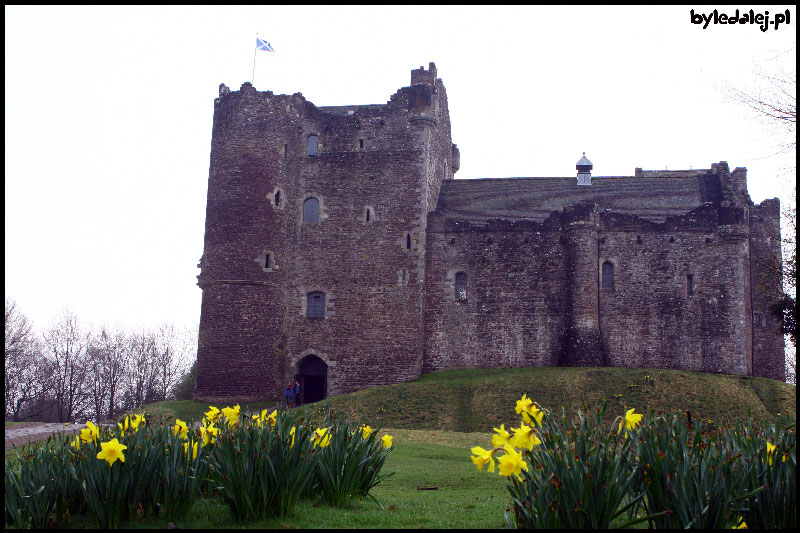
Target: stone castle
[(339, 250)]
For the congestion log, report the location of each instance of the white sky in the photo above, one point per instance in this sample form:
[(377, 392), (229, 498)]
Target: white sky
[(109, 113)]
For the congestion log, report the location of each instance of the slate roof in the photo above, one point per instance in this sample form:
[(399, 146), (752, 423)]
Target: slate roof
[(652, 198)]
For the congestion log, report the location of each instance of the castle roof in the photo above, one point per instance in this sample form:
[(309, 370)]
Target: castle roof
[(652, 198)]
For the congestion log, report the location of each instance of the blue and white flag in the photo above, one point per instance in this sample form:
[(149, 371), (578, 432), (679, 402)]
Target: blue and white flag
[(261, 44)]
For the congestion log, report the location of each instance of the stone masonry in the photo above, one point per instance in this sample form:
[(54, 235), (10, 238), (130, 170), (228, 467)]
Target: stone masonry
[(340, 251)]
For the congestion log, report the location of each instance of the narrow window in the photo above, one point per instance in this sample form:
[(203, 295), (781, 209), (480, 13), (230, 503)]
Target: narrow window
[(315, 305), (689, 284), (361, 143), (311, 146), (277, 198), (368, 214), (461, 286), (311, 210), (608, 276), (267, 258), (408, 241), (285, 150), (757, 323)]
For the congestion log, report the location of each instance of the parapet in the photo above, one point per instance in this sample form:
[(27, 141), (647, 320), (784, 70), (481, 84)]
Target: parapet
[(421, 75)]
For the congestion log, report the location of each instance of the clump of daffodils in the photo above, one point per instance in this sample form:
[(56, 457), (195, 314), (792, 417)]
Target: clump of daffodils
[(509, 447)]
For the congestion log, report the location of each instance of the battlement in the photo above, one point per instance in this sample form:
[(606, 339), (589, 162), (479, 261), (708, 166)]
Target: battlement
[(421, 75)]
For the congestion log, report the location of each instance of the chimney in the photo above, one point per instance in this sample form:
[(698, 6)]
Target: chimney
[(584, 168)]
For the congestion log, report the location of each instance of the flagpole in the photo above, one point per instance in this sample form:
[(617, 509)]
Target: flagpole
[(255, 49)]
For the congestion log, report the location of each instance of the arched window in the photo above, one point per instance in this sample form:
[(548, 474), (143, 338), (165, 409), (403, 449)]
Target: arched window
[(315, 305), (461, 286), (311, 210), (312, 145), (608, 275)]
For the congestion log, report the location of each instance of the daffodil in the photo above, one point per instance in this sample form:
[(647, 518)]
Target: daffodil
[(111, 451), (76, 443), (387, 441), (523, 404), (194, 449), (91, 433), (533, 412), (180, 429), (273, 418), (742, 524), (231, 415), (208, 431), (770, 451), (125, 427), (524, 437), (366, 431), (512, 463), (291, 432), (482, 457), (501, 437), (213, 414), (321, 437), (136, 420), (630, 421)]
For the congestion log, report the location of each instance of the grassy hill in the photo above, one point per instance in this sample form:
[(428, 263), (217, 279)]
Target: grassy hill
[(478, 400)]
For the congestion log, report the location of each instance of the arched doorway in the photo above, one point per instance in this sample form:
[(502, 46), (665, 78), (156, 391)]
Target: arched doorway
[(313, 377)]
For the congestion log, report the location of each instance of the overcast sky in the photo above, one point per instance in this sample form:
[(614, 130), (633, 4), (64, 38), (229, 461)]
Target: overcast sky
[(109, 113)]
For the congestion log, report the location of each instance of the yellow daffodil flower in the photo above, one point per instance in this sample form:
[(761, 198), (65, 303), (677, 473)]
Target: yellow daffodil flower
[(501, 438), (208, 431), (231, 415), (111, 451), (630, 421), (482, 457), (91, 433), (742, 524), (770, 451), (512, 463), (291, 432), (180, 429), (387, 441), (273, 418), (124, 427), (524, 437), (533, 412), (76, 443), (213, 414), (366, 431), (136, 420), (523, 404), (321, 437), (194, 449)]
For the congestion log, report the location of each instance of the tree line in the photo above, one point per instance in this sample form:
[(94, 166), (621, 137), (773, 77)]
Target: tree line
[(70, 373)]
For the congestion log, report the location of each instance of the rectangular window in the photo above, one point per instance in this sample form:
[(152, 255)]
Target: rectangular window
[(689, 285), (757, 320)]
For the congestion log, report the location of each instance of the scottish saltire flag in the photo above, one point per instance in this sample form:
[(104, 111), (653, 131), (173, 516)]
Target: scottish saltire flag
[(261, 44)]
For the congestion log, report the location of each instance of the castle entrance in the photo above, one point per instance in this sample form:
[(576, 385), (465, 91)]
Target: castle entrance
[(313, 377)]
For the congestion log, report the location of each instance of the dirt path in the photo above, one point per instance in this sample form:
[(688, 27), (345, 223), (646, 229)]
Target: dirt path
[(21, 434)]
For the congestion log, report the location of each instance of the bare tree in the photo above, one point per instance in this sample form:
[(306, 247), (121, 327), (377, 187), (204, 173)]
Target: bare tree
[(66, 347), (25, 375)]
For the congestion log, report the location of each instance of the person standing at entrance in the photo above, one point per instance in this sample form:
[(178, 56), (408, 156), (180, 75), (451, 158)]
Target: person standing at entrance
[(289, 395), (298, 393)]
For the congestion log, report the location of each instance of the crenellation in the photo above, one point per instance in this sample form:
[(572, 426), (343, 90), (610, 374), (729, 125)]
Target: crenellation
[(665, 268)]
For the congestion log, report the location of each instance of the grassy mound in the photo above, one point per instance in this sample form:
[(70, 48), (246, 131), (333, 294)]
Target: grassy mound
[(478, 400)]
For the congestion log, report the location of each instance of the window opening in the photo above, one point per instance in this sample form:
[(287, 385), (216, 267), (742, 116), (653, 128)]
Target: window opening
[(757, 322), (368, 214), (408, 241), (361, 143), (277, 198), (461, 286), (689, 284), (285, 150), (312, 145), (608, 275), (315, 305), (311, 210)]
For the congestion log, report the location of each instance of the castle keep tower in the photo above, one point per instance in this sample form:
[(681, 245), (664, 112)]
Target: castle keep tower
[(340, 251), (314, 259)]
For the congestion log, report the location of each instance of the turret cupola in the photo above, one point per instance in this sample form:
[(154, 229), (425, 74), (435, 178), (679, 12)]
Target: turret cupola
[(584, 168)]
